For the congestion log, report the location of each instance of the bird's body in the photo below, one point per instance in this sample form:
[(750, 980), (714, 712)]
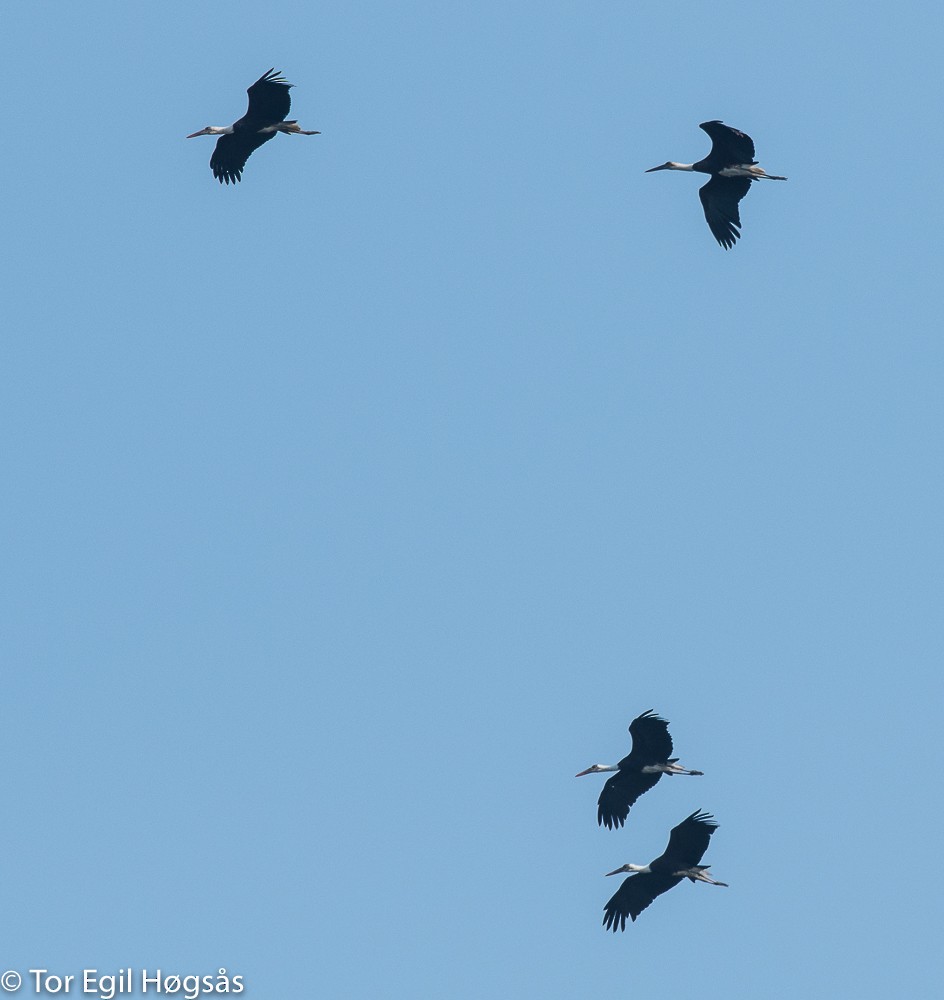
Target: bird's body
[(269, 103), (732, 167), (687, 844), (650, 758)]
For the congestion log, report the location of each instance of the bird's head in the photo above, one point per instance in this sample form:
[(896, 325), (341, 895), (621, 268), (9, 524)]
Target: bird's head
[(669, 165), (209, 130), (626, 868), (596, 769)]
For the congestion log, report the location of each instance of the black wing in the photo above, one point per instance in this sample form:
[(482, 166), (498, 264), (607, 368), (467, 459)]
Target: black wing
[(618, 795), (719, 199), (651, 741), (633, 896), (231, 153), (269, 100), (728, 144), (689, 840)]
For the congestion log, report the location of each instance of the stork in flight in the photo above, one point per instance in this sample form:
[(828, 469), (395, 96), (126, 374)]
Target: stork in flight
[(687, 844), (650, 758), (732, 167), (269, 103)]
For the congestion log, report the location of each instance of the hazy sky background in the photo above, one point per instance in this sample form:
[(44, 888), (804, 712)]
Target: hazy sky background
[(350, 511)]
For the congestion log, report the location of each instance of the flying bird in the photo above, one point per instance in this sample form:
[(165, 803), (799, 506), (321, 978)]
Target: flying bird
[(269, 103), (687, 844), (732, 167), (650, 758)]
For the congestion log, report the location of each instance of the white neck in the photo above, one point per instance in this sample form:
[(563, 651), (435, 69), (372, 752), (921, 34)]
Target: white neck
[(642, 869), (680, 166)]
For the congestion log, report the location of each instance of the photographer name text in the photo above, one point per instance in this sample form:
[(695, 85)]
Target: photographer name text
[(107, 986)]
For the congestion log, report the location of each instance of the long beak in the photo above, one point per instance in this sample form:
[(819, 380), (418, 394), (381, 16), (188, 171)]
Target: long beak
[(203, 131), (619, 871), (652, 170), (582, 773)]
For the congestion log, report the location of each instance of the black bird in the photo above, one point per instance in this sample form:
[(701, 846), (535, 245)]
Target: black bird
[(269, 103), (687, 844), (732, 167), (649, 759)]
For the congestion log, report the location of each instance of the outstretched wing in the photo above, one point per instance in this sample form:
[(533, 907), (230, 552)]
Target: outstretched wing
[(633, 896), (618, 795), (689, 840), (231, 153), (719, 199), (651, 741), (269, 100), (729, 143)]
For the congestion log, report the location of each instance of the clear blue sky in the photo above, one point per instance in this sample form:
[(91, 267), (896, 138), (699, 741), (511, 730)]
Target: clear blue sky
[(351, 511)]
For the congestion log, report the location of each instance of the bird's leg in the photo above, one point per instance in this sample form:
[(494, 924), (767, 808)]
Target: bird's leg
[(705, 877), (674, 768), (289, 128), (700, 874)]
